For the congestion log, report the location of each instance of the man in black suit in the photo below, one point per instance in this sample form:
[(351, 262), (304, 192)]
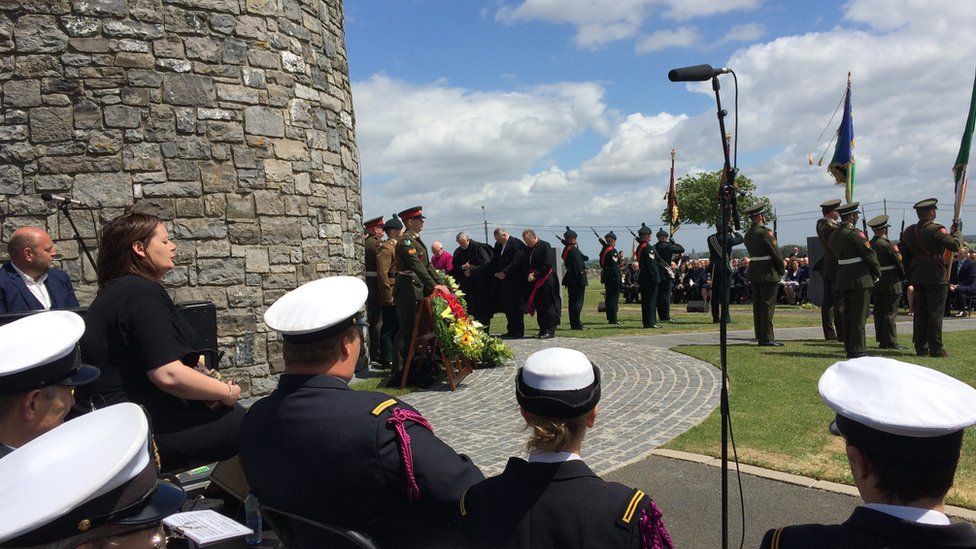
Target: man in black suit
[(28, 281), (962, 282), (472, 271), (903, 428), (511, 271)]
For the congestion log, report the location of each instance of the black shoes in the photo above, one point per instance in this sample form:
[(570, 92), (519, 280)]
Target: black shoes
[(895, 347), (856, 355), (770, 344), (510, 336), (547, 335), (579, 328)]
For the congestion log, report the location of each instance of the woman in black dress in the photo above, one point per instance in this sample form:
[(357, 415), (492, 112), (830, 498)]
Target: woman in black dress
[(143, 346)]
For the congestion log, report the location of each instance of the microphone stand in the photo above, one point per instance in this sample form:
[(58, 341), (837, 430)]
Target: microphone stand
[(64, 209)]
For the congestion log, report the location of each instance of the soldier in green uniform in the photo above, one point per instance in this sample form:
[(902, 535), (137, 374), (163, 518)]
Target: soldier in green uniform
[(416, 279), (666, 249), (857, 273), (721, 271), (574, 278), (926, 245), (887, 291), (374, 305), (386, 275), (765, 271), (830, 306), (610, 275), (648, 277)]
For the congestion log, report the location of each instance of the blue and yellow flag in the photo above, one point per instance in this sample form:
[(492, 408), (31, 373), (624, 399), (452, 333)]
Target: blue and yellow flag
[(842, 164)]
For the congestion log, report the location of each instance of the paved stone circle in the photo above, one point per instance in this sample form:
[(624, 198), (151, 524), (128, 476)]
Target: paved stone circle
[(649, 396)]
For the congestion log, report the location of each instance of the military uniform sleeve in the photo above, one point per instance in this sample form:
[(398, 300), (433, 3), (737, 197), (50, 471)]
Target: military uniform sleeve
[(677, 248), (384, 264), (952, 242), (867, 254), (644, 521), (770, 242), (906, 252)]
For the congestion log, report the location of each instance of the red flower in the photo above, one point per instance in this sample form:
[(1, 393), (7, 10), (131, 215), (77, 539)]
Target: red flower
[(456, 308)]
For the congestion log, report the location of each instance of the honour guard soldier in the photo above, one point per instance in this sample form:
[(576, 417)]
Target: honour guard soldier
[(38, 375), (648, 277), (353, 459), (831, 314), (610, 275), (574, 278), (374, 305), (386, 275), (903, 428), (857, 273), (416, 279), (888, 290), (666, 248), (926, 246), (91, 482), (765, 271), (721, 276), (554, 499)]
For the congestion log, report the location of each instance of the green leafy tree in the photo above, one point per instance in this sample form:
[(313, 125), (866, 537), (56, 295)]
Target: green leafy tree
[(698, 198)]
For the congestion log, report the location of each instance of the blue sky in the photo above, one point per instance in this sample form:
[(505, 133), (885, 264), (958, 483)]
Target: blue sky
[(560, 112)]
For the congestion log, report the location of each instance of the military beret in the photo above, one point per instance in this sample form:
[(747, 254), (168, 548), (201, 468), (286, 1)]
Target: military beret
[(831, 204), (372, 223), (644, 229), (393, 223), (558, 382), (41, 349), (413, 213), (570, 233), (848, 208), (927, 203), (879, 222), (318, 309), (756, 210)]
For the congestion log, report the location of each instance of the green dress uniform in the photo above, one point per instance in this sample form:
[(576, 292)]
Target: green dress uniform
[(665, 253), (648, 279), (574, 279), (857, 271), (925, 245), (374, 305), (611, 278), (765, 271), (887, 291), (415, 280), (831, 314), (720, 276)]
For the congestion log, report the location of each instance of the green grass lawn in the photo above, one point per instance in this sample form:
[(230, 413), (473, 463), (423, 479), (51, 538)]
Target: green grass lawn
[(372, 383), (779, 421), (787, 316)]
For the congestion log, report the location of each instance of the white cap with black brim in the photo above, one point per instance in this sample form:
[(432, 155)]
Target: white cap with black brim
[(558, 382), (41, 349), (318, 310)]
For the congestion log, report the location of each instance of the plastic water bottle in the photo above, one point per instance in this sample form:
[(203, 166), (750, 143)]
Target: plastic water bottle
[(252, 519)]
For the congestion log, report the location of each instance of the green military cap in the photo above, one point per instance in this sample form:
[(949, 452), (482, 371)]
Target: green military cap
[(848, 208), (393, 223), (644, 229), (879, 222), (662, 232), (570, 233), (756, 210), (832, 204), (925, 204)]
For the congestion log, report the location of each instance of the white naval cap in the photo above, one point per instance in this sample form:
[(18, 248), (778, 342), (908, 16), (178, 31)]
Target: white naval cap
[(86, 472), (41, 349), (558, 382), (318, 309), (898, 398)]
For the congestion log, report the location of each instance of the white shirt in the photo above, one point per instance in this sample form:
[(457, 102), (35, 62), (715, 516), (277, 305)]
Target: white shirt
[(911, 514), (553, 457), (36, 287)]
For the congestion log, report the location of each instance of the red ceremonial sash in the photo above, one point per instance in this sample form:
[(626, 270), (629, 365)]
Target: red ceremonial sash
[(566, 252), (538, 284), (603, 255)]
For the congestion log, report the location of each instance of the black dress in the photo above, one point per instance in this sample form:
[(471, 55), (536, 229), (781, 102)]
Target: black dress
[(133, 327)]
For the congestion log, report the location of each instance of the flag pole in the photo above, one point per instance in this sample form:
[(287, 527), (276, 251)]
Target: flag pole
[(850, 166), (672, 199)]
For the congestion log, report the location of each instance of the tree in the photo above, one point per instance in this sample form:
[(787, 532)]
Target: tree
[(698, 198)]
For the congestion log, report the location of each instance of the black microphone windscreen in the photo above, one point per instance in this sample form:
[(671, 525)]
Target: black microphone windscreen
[(696, 73), (46, 196)]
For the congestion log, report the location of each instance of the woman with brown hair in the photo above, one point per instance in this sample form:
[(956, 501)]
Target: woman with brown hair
[(554, 499), (142, 344)]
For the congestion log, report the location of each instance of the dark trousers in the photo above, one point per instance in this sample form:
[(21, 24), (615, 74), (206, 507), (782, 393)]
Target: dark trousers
[(664, 298), (927, 322), (717, 299), (763, 307), (548, 317), (855, 315), (514, 315), (830, 311), (406, 296), (612, 301), (885, 315), (576, 295), (648, 296), (212, 438), (374, 315), (388, 335)]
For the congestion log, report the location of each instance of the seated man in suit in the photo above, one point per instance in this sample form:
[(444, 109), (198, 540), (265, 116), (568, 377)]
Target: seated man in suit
[(962, 282), (903, 428), (29, 282)]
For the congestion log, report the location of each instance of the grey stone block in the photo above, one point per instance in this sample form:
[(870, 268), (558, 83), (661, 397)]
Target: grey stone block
[(49, 124), (264, 121), (188, 90)]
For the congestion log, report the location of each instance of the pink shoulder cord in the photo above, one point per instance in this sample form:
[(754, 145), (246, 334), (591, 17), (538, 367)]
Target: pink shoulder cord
[(653, 533), (399, 417)]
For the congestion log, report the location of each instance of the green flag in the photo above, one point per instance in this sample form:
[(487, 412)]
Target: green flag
[(962, 159)]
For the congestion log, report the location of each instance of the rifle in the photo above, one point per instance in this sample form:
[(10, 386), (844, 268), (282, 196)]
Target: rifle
[(560, 239), (598, 237)]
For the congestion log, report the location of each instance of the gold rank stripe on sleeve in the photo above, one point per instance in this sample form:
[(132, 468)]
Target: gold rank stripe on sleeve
[(464, 508), (382, 406), (629, 513), (776, 536)]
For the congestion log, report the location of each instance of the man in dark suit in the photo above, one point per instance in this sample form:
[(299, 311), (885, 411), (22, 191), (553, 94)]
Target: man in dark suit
[(962, 282), (511, 271), (28, 281), (903, 428), (472, 271)]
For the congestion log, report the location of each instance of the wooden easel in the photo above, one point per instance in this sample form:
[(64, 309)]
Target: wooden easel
[(424, 344)]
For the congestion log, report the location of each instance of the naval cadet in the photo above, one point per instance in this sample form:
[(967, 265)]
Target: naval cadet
[(857, 273), (888, 290), (926, 246), (831, 313), (544, 300), (354, 459), (610, 276), (648, 277), (374, 305), (386, 277), (903, 429), (665, 248), (721, 271), (574, 277), (554, 499), (91, 482), (764, 273)]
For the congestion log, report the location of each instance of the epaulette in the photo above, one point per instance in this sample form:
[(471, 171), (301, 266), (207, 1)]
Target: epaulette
[(383, 406), (774, 541), (462, 503), (626, 517)]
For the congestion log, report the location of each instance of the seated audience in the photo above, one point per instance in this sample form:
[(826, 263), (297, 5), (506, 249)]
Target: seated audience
[(144, 348), (39, 371), (903, 428), (741, 289), (962, 282), (29, 281), (791, 282), (679, 294), (631, 286), (553, 499), (354, 459)]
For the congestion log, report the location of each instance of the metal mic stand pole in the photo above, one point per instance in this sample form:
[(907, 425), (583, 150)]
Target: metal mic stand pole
[(63, 208)]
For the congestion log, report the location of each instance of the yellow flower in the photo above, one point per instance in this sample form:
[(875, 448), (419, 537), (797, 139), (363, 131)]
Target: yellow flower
[(446, 313)]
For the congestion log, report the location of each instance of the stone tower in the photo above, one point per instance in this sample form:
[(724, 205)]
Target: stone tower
[(230, 119)]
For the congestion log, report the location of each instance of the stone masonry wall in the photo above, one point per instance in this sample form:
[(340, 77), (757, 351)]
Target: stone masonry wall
[(230, 119)]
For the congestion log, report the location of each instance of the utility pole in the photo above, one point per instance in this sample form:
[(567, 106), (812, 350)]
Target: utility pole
[(485, 218)]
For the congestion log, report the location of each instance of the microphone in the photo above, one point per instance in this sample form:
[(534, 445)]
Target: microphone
[(697, 73), (48, 197)]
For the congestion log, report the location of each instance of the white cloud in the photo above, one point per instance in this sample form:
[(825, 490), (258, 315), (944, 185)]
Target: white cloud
[(663, 39), (744, 33)]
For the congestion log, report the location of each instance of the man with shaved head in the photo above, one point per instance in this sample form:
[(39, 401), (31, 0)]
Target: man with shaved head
[(28, 281)]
